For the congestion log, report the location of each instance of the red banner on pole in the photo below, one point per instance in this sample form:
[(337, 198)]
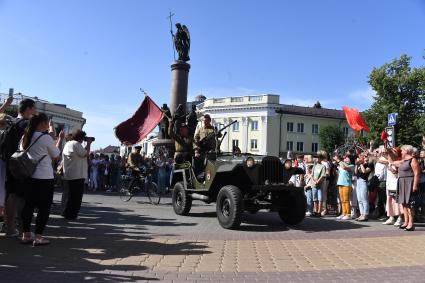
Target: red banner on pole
[(135, 129), (355, 120)]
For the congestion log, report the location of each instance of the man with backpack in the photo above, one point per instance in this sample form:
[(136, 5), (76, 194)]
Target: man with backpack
[(9, 143), (3, 125)]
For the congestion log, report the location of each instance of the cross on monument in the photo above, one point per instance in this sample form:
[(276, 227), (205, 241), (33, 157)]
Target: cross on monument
[(171, 31)]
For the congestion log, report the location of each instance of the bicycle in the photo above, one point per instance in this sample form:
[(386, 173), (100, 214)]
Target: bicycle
[(135, 183)]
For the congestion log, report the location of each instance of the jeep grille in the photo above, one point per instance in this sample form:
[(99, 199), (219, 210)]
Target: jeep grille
[(272, 170)]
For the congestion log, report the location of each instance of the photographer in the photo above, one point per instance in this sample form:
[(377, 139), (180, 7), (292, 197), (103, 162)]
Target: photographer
[(75, 169)]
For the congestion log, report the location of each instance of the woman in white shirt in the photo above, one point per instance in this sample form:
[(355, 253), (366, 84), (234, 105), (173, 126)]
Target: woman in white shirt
[(75, 172), (41, 146)]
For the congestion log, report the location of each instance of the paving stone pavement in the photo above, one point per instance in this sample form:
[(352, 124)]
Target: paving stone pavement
[(115, 241)]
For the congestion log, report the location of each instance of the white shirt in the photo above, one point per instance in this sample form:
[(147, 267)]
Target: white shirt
[(74, 161), (381, 171), (45, 146)]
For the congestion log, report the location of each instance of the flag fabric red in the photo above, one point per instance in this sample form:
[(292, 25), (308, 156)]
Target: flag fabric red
[(355, 120), (140, 124), (384, 136)]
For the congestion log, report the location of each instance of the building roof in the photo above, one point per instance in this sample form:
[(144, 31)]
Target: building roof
[(111, 149), (311, 111)]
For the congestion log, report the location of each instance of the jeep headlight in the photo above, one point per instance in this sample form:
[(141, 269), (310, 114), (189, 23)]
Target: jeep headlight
[(250, 162)]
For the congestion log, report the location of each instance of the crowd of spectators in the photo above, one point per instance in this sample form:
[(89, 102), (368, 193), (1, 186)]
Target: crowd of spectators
[(387, 184)]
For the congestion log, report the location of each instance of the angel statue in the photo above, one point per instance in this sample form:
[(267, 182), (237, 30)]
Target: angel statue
[(182, 42)]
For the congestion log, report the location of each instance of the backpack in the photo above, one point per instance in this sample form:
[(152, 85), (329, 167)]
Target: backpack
[(10, 138), (20, 165)]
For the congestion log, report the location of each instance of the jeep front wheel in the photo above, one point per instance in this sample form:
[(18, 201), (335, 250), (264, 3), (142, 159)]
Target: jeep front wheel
[(296, 205), (229, 207), (182, 202)]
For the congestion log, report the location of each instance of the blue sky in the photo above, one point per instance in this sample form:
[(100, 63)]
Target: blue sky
[(95, 55)]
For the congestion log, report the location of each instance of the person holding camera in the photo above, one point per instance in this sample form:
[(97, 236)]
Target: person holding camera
[(75, 171)]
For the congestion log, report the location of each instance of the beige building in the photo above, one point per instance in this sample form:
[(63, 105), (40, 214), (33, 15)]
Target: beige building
[(264, 126), (62, 116)]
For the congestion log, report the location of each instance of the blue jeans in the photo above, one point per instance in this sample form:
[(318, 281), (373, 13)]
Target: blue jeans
[(317, 194), (362, 196), (309, 197)]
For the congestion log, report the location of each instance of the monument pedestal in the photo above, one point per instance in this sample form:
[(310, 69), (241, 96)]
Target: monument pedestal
[(179, 82)]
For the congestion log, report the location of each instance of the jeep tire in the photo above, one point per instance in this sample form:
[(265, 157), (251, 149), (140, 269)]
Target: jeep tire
[(229, 207), (296, 205), (182, 202)]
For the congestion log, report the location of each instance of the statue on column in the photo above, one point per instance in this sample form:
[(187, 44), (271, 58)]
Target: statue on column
[(182, 42)]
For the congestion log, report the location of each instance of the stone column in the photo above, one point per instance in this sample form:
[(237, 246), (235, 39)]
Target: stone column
[(225, 143), (179, 82), (244, 135), (264, 135)]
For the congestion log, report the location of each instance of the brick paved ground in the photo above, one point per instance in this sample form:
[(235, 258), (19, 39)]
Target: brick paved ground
[(131, 242)]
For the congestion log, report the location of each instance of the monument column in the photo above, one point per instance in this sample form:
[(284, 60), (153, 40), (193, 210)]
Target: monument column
[(179, 82)]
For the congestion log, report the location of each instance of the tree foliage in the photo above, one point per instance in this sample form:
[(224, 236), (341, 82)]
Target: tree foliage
[(330, 136), (400, 89)]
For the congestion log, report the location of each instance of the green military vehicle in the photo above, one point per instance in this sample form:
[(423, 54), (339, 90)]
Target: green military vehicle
[(237, 184)]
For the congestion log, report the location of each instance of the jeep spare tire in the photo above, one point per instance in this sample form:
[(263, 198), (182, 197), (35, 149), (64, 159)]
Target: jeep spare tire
[(182, 202), (295, 207), (229, 207)]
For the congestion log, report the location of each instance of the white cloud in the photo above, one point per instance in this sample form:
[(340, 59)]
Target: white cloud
[(362, 95)]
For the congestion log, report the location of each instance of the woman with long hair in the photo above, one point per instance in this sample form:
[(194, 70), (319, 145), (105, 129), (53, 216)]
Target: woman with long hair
[(41, 148)]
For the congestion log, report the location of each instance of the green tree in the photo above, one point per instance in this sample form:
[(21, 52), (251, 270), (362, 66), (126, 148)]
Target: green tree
[(401, 89), (330, 136)]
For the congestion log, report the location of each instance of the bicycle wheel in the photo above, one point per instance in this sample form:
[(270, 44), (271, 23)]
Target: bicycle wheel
[(153, 192), (127, 189)]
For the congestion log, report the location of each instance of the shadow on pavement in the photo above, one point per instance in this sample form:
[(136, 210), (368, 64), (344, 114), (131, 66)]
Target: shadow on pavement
[(271, 222), (104, 244), (324, 224)]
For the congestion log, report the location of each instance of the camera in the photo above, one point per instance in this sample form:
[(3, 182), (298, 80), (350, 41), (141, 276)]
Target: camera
[(92, 139)]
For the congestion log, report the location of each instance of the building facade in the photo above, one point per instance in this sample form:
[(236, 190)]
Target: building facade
[(266, 127), (63, 117)]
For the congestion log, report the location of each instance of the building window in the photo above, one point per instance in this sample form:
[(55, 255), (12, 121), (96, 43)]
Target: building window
[(300, 127), (315, 129), (314, 147), (236, 99), (235, 143), (219, 100), (300, 146), (236, 127), (345, 130), (255, 98), (253, 144), (290, 127), (254, 126), (289, 145), (217, 126)]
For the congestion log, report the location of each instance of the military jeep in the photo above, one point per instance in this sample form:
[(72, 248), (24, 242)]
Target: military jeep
[(237, 184)]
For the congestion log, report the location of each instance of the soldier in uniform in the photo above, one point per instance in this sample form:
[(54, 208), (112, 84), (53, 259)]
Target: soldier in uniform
[(135, 159), (206, 137), (183, 143)]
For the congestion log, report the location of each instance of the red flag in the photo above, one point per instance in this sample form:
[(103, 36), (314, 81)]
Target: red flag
[(355, 120), (140, 124)]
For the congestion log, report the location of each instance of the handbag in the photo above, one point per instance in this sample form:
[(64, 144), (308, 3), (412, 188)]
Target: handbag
[(21, 166)]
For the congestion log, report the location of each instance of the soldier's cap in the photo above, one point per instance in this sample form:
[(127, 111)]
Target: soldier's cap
[(137, 147), (207, 116)]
